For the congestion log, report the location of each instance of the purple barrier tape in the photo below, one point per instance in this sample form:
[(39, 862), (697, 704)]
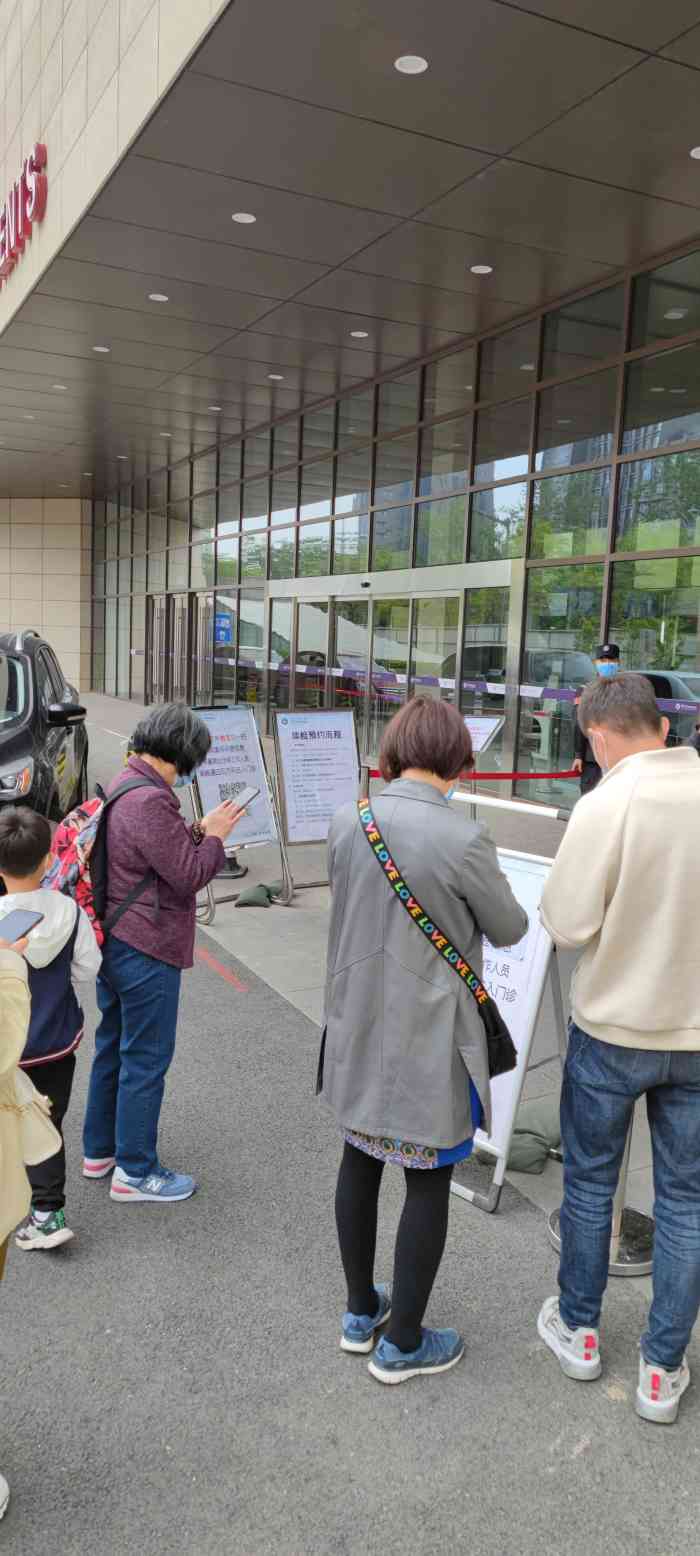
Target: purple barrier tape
[(668, 706)]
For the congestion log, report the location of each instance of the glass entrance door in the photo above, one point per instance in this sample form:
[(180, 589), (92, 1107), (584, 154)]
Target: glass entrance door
[(178, 646), (389, 665), (484, 654), (434, 642), (203, 650), (157, 677), (350, 661)]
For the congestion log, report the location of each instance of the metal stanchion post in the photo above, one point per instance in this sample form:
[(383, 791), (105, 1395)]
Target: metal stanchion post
[(287, 892), (632, 1237)]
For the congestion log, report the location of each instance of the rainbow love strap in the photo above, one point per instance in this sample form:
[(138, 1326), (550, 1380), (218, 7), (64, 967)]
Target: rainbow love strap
[(442, 944)]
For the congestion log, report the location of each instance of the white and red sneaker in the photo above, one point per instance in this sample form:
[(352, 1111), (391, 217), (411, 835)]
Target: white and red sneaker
[(659, 1391), (577, 1350), (97, 1166)]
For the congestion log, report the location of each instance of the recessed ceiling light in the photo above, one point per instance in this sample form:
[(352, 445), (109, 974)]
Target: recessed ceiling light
[(277, 378), (213, 407), (678, 391), (158, 297), (469, 386), (122, 456), (102, 348), (564, 421), (166, 434), (63, 485), (676, 313), (244, 218), (359, 334), (695, 153), (58, 386), (481, 270), (657, 389), (527, 367), (87, 472), (415, 64), (28, 416)]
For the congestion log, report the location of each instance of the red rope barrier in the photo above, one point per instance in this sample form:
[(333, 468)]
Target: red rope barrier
[(501, 777)]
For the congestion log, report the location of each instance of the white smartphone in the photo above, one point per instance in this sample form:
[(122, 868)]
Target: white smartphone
[(246, 797), (18, 923)]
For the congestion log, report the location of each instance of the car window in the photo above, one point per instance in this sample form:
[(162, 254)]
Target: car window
[(44, 681), (55, 673), (660, 683), (13, 690)]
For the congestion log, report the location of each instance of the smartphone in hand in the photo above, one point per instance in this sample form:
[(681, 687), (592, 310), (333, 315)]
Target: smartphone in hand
[(18, 923), (246, 797)]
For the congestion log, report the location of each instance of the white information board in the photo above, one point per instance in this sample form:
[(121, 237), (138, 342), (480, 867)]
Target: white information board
[(515, 977), (235, 762), (483, 729), (319, 767)]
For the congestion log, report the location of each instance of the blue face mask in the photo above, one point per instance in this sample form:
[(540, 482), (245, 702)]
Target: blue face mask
[(182, 780), (450, 793), (607, 668)]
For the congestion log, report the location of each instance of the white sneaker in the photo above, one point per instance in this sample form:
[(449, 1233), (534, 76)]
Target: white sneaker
[(4, 1496), (659, 1391), (576, 1350)]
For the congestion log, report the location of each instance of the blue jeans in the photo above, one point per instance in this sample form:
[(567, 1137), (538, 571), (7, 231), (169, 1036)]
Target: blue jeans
[(601, 1085), (134, 1045)]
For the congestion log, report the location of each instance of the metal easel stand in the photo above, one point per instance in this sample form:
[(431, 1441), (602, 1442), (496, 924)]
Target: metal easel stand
[(632, 1238), (206, 912), (491, 1200)]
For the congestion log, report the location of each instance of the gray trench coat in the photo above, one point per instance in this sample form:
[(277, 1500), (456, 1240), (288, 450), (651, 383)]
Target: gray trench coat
[(402, 1033)]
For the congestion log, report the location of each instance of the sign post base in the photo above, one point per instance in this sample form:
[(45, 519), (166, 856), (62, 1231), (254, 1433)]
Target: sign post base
[(631, 1253)]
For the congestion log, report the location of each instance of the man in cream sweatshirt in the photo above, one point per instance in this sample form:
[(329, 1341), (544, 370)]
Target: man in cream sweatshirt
[(625, 890)]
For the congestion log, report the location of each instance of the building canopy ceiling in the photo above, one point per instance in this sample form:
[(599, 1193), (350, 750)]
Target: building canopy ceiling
[(549, 141)]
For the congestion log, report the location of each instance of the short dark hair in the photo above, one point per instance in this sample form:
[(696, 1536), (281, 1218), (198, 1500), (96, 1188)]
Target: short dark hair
[(25, 839), (625, 703), (429, 734), (174, 734)]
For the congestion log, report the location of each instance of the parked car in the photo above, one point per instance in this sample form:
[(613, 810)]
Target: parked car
[(670, 687), (43, 741)]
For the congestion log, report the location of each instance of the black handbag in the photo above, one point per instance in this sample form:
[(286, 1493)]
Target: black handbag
[(502, 1053)]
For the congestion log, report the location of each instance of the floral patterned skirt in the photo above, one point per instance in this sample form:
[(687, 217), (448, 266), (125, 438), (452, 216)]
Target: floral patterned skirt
[(406, 1153)]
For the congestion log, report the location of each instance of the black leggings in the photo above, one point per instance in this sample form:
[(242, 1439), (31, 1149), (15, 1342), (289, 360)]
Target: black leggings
[(420, 1239)]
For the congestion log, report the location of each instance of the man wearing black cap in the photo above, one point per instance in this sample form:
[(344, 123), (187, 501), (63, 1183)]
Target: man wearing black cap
[(607, 663)]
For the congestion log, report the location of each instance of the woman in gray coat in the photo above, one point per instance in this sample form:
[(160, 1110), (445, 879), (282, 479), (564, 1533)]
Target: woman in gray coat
[(404, 1063)]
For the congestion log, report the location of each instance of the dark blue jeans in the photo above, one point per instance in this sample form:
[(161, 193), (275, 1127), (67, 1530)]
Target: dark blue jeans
[(134, 1045), (601, 1085)]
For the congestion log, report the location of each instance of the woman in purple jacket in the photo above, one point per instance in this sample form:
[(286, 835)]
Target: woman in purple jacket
[(139, 983)]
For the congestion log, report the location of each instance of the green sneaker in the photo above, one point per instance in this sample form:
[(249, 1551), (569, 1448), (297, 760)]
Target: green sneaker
[(48, 1232)]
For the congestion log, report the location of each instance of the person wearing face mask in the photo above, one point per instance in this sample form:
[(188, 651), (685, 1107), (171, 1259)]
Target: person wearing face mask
[(624, 890), (607, 664), (138, 987), (404, 1064)]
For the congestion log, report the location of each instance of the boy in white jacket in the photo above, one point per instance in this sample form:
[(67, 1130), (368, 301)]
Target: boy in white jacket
[(61, 951)]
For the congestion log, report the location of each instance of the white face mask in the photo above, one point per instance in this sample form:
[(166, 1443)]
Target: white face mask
[(600, 752)]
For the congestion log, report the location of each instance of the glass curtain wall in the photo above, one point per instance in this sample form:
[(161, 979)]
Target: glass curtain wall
[(567, 445)]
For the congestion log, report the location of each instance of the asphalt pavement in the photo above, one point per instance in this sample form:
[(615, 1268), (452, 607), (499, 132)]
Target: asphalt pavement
[(172, 1381)]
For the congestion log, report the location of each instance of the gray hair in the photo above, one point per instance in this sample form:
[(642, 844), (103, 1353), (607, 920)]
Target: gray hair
[(175, 734), (625, 703)]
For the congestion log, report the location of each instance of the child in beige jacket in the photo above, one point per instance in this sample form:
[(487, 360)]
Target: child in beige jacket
[(15, 1134)]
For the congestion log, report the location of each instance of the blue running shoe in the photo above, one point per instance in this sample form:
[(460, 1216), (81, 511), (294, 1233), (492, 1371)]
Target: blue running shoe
[(359, 1329), (161, 1187), (439, 1350)]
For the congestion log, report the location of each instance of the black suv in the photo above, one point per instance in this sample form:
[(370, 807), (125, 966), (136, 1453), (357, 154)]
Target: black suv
[(43, 742)]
